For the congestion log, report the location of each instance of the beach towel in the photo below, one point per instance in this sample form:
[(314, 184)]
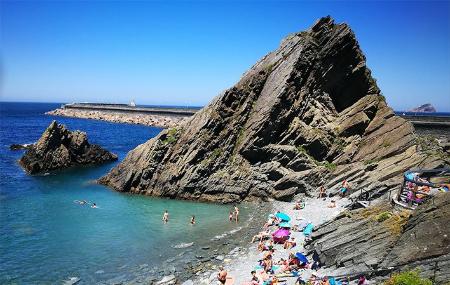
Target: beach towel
[(308, 229)]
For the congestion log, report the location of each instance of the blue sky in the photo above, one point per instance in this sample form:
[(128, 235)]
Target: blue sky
[(185, 53)]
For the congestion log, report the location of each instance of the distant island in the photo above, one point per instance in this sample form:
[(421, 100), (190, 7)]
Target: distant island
[(425, 108)]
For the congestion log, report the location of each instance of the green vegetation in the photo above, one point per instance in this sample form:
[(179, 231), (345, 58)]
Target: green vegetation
[(329, 165), (171, 136), (216, 153), (383, 216), (269, 68), (408, 278), (430, 146)]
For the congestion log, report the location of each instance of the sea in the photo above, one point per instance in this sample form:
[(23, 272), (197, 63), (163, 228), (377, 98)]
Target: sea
[(48, 238)]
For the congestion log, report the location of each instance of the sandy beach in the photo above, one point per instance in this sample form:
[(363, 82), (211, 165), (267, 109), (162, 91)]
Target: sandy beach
[(241, 261)]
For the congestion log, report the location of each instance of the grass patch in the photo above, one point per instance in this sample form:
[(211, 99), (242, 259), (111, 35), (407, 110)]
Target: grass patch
[(171, 136), (329, 165), (383, 216), (408, 278)]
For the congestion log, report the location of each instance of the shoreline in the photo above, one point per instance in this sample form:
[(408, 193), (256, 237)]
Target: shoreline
[(161, 121), (239, 263)]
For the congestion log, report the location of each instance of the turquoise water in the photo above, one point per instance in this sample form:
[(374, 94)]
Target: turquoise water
[(46, 237)]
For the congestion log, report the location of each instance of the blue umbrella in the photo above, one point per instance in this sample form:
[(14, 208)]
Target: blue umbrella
[(301, 257), (283, 217), (284, 225)]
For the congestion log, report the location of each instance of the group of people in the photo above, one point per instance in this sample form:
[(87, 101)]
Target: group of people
[(234, 216), (271, 270), (165, 218), (85, 202)]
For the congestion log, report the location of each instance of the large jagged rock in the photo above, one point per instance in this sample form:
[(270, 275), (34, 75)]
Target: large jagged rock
[(380, 239), (306, 114), (60, 148)]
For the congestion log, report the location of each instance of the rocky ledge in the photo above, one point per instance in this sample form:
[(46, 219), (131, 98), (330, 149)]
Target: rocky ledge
[(381, 239), (60, 148), (306, 114)]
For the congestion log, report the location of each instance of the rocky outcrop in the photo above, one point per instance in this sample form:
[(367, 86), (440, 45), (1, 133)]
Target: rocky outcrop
[(381, 239), (20, 146), (60, 148), (306, 114), (425, 108)]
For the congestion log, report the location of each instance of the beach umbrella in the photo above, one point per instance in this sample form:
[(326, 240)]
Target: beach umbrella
[(281, 233), (284, 225), (283, 217), (301, 257)]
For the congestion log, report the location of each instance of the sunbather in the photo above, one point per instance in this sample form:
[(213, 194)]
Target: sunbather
[(290, 243)]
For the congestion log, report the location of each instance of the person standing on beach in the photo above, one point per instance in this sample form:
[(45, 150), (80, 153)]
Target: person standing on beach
[(236, 213), (165, 217), (222, 276), (322, 193)]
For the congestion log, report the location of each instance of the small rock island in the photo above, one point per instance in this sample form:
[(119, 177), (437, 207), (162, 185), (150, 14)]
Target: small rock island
[(425, 108), (60, 148)]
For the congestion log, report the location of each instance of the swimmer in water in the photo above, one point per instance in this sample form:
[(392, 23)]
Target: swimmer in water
[(94, 205), (165, 217), (193, 220)]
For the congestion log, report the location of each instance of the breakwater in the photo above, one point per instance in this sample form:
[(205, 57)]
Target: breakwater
[(427, 119), (164, 117)]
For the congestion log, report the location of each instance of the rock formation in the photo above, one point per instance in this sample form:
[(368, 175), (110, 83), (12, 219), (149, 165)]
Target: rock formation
[(60, 148), (380, 239), (306, 114), (425, 108)]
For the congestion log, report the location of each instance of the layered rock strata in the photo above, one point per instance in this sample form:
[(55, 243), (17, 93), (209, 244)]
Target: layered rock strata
[(59, 148), (380, 240), (305, 115)]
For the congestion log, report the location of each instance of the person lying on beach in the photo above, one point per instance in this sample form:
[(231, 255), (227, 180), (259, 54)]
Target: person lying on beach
[(270, 222), (255, 279), (267, 265), (288, 244), (260, 246), (297, 206), (293, 262), (261, 235), (332, 204), (284, 265)]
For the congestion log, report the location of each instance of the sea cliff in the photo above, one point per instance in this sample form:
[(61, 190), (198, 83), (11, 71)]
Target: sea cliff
[(305, 115)]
